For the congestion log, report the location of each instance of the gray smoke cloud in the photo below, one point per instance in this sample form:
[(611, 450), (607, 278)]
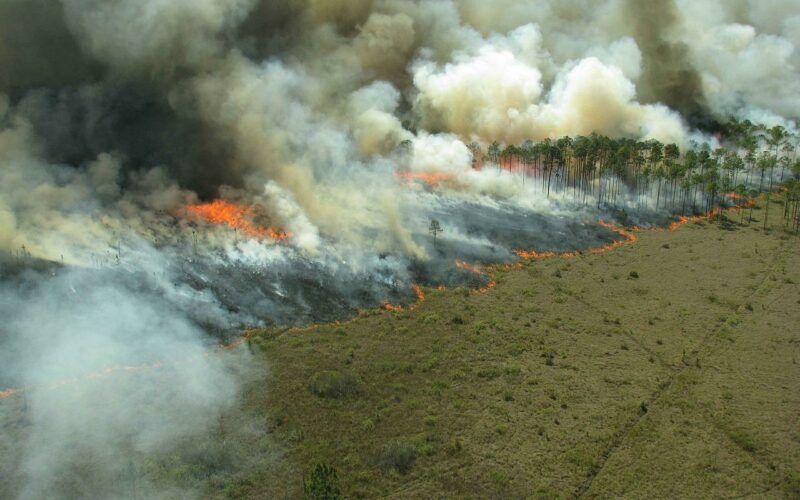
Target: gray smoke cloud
[(110, 375), (117, 114)]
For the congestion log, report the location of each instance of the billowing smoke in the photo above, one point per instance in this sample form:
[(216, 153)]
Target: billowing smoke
[(339, 130), (109, 374)]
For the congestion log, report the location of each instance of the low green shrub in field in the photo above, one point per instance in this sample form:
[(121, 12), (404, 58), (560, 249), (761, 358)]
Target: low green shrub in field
[(321, 484), (336, 385), (398, 455)]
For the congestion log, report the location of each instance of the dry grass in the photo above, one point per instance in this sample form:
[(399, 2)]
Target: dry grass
[(571, 378)]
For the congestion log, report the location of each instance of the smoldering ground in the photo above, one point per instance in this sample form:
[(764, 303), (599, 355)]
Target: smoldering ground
[(116, 115)]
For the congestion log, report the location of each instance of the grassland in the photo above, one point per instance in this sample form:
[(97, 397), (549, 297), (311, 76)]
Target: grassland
[(667, 368)]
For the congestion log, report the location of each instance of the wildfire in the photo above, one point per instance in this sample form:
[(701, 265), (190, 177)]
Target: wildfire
[(478, 271), (431, 179), (742, 201), (627, 236), (469, 267), (418, 291), (236, 216), (682, 221), (118, 369), (534, 255)]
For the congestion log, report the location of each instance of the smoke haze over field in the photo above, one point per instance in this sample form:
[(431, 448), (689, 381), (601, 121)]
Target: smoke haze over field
[(115, 115)]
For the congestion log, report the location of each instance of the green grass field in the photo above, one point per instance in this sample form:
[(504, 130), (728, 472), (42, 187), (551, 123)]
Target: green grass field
[(666, 368)]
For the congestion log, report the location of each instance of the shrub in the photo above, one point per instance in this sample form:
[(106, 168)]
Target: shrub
[(743, 440), (398, 455), (634, 275), (430, 420), (336, 385), (321, 484), (792, 486)]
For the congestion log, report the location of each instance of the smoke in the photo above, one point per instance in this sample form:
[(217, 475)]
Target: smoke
[(496, 95), (349, 124), (668, 75), (112, 374)]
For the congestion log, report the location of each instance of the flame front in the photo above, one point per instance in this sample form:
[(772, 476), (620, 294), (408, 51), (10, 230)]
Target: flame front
[(628, 238), (478, 271), (418, 291), (431, 179), (236, 216)]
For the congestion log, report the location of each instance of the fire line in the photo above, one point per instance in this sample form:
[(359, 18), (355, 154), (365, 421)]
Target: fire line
[(236, 216)]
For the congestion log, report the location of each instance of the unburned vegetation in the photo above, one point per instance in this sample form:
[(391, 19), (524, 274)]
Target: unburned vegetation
[(665, 368)]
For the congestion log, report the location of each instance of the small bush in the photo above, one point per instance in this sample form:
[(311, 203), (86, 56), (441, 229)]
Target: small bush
[(398, 455), (792, 486), (336, 385), (321, 484), (743, 440), (634, 275), (489, 373), (455, 446)]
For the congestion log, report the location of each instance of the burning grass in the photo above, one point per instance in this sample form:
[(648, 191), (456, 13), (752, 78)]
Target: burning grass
[(431, 179), (241, 218), (420, 294), (459, 379)]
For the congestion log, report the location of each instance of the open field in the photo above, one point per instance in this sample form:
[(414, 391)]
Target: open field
[(666, 368)]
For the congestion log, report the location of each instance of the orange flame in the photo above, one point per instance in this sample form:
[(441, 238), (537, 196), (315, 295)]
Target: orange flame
[(432, 179), (478, 271), (744, 201), (418, 291), (469, 267), (683, 220), (239, 217), (627, 236)]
